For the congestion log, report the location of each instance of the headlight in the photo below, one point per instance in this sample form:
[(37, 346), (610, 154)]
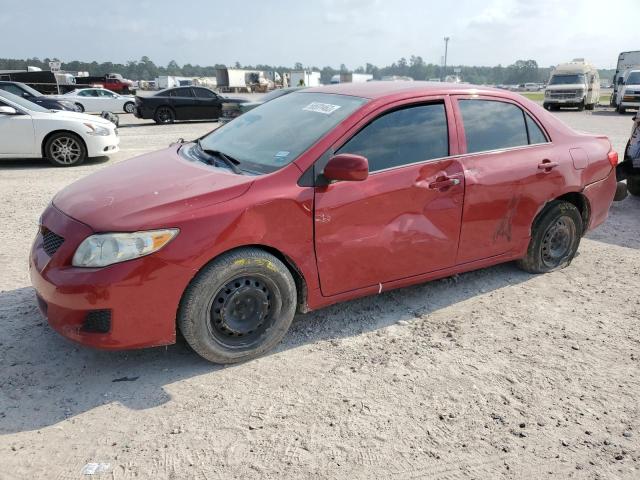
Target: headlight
[(96, 129), (66, 104), (109, 248), (547, 93)]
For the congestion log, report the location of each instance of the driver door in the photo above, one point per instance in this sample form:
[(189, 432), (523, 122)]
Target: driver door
[(404, 219), (17, 133)]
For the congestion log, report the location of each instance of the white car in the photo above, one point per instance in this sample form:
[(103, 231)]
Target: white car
[(65, 138), (99, 100)]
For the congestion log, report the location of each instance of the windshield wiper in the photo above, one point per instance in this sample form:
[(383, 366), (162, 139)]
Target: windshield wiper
[(232, 163)]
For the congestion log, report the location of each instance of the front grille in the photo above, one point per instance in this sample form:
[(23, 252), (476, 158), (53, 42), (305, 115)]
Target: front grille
[(564, 94), (97, 321), (50, 241)]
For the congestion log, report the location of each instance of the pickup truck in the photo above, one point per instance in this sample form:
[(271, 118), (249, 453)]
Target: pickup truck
[(182, 103), (110, 81)]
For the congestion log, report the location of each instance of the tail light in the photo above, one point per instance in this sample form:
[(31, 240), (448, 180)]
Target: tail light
[(613, 158)]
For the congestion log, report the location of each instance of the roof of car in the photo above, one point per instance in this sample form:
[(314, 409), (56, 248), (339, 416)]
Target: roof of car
[(379, 89)]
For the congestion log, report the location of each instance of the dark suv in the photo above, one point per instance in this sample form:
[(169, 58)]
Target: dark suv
[(31, 94)]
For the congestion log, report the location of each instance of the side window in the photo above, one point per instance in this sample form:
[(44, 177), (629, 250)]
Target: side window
[(492, 125), (535, 134), (182, 92), (402, 137), (105, 93), (13, 89), (204, 93)]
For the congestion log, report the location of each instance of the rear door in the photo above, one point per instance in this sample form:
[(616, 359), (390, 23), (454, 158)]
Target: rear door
[(403, 220), (183, 103), (510, 169), (89, 100), (207, 103)]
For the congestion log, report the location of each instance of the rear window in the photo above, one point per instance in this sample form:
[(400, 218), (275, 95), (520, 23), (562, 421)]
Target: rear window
[(492, 125)]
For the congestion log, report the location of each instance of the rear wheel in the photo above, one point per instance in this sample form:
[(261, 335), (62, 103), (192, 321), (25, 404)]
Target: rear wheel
[(621, 110), (555, 238), (164, 115), (590, 106), (129, 107), (65, 149), (581, 106), (633, 185), (238, 307)]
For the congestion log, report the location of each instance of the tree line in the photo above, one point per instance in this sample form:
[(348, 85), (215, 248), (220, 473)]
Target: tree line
[(521, 71)]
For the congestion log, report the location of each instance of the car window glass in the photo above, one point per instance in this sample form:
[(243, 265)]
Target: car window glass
[(105, 93), (492, 125), (182, 92), (204, 93), (13, 89), (535, 134), (402, 137)]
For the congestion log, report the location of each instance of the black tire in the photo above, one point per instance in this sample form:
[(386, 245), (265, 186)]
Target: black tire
[(79, 108), (581, 106), (164, 115), (555, 237), (65, 149), (129, 107), (621, 110), (590, 106), (633, 185), (238, 307), (546, 106)]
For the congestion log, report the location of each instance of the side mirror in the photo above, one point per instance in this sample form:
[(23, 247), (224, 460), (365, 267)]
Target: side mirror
[(8, 111), (347, 167)]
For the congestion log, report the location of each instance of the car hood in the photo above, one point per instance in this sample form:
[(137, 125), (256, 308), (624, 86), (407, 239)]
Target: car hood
[(70, 115), (234, 100), (156, 190), (568, 86)]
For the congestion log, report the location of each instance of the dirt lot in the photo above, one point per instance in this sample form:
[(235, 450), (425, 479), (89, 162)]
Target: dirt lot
[(491, 374)]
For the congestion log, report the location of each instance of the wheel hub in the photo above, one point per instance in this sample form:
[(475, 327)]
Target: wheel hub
[(556, 242), (240, 307)]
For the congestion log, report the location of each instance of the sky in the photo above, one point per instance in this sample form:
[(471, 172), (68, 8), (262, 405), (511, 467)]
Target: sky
[(320, 32)]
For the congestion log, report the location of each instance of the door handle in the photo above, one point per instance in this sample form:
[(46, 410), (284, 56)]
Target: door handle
[(547, 165), (444, 183)]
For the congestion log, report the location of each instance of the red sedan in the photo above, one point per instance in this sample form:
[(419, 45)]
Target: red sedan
[(319, 196)]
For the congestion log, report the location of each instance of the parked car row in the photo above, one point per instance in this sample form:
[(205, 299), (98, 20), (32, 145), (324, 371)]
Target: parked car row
[(65, 138), (316, 197)]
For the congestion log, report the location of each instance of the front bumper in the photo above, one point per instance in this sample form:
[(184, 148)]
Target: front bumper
[(141, 296), (101, 145)]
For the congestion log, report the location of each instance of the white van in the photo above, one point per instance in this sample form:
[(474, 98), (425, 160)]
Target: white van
[(629, 91), (573, 84)]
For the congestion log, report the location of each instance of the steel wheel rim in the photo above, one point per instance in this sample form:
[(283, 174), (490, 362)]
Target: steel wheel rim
[(129, 108), (241, 311), (164, 114), (557, 241), (66, 150)]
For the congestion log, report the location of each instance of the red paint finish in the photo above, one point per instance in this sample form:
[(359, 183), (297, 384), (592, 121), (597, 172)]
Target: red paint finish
[(396, 227)]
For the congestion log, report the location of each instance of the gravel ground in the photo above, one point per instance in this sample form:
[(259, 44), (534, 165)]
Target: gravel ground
[(490, 374)]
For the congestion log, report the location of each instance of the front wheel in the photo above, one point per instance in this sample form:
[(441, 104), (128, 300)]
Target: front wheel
[(555, 237), (238, 307), (65, 149), (621, 110), (581, 106), (129, 107), (79, 108), (633, 185)]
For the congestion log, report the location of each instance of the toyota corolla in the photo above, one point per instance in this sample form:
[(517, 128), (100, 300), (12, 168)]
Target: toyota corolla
[(317, 197)]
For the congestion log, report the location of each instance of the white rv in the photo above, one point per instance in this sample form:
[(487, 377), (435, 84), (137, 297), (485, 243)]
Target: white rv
[(573, 84), (305, 79)]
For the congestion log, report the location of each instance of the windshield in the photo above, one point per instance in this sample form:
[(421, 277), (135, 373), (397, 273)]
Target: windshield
[(277, 132), (633, 78), (567, 79), (21, 102)]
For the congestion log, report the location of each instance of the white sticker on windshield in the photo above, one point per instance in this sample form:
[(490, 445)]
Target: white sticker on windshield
[(319, 107)]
